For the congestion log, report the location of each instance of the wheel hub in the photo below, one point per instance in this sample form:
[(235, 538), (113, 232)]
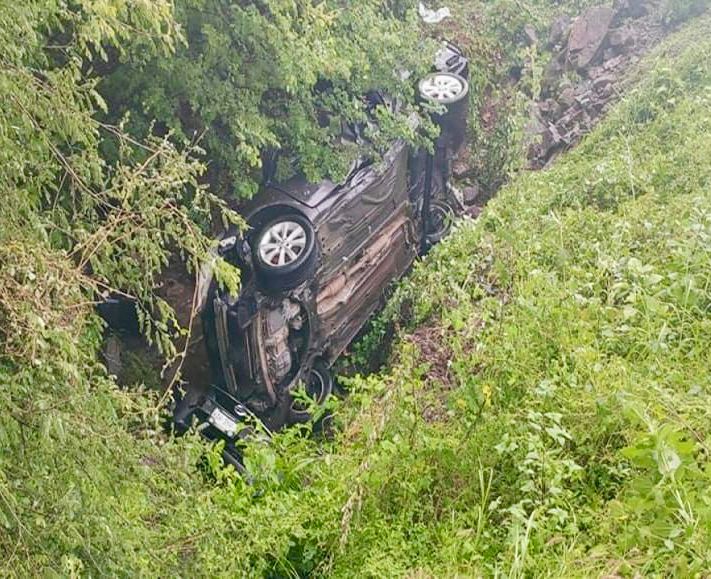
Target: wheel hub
[(441, 87), (282, 243)]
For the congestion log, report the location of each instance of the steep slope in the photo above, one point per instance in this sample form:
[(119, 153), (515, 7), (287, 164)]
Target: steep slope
[(548, 412)]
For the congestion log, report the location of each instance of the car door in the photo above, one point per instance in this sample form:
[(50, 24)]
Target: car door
[(366, 203), (367, 240)]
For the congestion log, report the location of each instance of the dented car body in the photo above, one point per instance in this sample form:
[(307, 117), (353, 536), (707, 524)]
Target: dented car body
[(315, 263)]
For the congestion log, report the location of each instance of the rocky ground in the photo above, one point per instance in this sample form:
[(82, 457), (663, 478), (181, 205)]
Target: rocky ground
[(591, 56)]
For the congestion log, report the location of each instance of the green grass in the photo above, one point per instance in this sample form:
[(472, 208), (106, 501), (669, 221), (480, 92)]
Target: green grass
[(574, 434), (558, 424)]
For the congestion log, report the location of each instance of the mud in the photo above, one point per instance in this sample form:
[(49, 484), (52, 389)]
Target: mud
[(435, 353)]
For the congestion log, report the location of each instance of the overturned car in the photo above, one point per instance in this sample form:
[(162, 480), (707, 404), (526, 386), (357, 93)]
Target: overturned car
[(315, 262)]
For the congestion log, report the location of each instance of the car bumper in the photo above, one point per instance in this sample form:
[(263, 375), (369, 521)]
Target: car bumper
[(217, 416)]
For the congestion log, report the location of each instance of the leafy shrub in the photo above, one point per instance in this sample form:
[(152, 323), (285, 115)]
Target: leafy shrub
[(260, 79), (560, 428)]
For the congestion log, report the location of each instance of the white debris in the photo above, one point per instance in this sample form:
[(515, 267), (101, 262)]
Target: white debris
[(433, 16)]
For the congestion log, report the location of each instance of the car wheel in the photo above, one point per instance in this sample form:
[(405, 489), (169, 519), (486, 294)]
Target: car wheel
[(440, 221), (284, 252), (443, 88), (319, 386), (451, 91)]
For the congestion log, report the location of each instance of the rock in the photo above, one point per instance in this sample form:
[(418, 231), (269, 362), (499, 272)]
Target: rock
[(583, 101), (584, 87), (461, 168), (600, 45), (621, 37), (588, 34), (609, 54), (631, 8), (567, 97), (603, 81), (605, 93), (572, 116), (575, 134), (613, 63), (552, 76), (471, 194), (536, 124), (550, 142), (554, 135), (559, 31), (595, 71)]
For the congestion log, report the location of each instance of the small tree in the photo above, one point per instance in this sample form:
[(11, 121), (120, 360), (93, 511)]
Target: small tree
[(273, 76)]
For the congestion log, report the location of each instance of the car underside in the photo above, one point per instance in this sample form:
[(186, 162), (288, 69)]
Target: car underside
[(315, 263)]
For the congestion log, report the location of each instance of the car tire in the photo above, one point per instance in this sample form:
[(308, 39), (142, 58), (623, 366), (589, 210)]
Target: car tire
[(319, 386), (443, 88), (284, 252), (452, 92), (441, 218)]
